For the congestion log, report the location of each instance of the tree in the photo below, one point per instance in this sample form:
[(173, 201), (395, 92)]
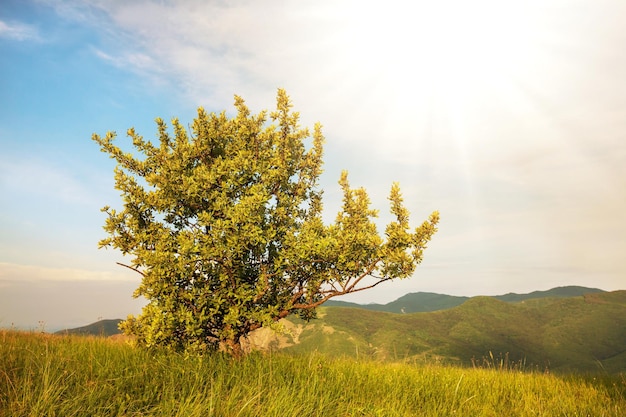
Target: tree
[(224, 225)]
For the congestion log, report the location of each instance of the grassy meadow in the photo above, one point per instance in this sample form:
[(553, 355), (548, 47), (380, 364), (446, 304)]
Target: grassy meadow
[(51, 375)]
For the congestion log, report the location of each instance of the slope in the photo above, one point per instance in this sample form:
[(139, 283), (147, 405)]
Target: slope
[(99, 328), (586, 333)]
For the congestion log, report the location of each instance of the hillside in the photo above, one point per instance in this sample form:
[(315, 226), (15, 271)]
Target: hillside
[(99, 328), (427, 301), (586, 333)]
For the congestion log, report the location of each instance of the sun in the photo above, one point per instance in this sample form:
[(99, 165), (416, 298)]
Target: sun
[(446, 76), (445, 55)]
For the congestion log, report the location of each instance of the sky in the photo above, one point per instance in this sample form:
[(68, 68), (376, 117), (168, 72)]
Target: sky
[(509, 117)]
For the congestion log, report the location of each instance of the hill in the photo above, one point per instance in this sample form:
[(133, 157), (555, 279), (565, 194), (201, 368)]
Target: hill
[(585, 333), (409, 303), (427, 301), (558, 292), (552, 331), (99, 328)]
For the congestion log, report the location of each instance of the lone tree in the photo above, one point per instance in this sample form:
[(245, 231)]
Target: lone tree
[(224, 225)]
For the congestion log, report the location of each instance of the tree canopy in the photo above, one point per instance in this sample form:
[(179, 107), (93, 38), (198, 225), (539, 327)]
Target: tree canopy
[(224, 224)]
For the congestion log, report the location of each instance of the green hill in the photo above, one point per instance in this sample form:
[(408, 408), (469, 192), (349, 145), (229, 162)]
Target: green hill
[(409, 303), (585, 333), (427, 301), (558, 292), (99, 328)]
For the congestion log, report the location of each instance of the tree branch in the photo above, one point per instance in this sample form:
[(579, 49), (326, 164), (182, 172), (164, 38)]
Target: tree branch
[(131, 268), (369, 270)]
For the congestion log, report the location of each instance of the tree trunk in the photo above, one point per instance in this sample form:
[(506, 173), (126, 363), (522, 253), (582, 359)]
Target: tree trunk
[(233, 347)]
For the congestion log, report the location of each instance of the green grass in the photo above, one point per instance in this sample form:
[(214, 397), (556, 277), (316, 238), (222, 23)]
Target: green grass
[(45, 375)]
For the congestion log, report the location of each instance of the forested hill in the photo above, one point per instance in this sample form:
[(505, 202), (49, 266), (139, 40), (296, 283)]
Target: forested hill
[(99, 328), (420, 302), (584, 333)]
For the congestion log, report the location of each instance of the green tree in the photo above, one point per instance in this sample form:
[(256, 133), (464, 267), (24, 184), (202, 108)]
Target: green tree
[(224, 225)]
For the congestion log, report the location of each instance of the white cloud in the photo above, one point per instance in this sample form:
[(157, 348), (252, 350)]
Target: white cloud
[(514, 125), (19, 31), (137, 62), (361, 69)]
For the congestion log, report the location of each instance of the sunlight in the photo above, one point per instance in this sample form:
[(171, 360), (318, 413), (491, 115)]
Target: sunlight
[(442, 52), (439, 69)]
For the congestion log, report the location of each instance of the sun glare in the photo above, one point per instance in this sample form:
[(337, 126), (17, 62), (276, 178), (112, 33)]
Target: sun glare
[(440, 53), (438, 69)]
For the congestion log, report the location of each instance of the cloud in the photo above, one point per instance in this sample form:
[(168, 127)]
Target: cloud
[(137, 62), (521, 150), (367, 73), (19, 31)]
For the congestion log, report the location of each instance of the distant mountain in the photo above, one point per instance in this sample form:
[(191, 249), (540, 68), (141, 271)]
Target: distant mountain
[(558, 292), (410, 303), (426, 301), (99, 328)]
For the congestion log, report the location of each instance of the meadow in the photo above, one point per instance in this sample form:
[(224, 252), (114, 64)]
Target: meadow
[(52, 375)]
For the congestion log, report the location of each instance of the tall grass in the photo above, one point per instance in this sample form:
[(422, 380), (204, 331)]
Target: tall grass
[(45, 375)]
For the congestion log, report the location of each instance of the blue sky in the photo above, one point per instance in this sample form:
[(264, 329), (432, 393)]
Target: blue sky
[(507, 117)]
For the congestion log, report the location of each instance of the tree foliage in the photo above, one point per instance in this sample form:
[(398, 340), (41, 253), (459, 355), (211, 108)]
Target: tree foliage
[(224, 223)]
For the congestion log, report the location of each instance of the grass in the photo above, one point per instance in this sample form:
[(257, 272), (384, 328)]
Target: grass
[(46, 375)]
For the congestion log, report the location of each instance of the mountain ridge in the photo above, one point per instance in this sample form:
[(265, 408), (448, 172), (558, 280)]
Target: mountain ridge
[(427, 301)]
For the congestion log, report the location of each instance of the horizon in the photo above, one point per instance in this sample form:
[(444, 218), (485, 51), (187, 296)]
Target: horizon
[(507, 118)]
